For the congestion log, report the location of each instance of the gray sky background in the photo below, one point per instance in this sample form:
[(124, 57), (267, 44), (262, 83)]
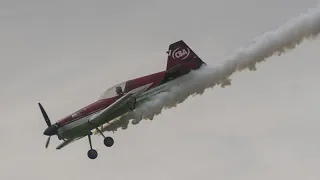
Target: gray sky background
[(65, 53)]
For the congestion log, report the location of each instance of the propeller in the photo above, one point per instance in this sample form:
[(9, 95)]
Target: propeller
[(48, 141), (45, 115), (51, 129)]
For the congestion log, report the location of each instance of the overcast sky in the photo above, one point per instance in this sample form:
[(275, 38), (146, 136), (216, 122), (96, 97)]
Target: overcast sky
[(65, 53)]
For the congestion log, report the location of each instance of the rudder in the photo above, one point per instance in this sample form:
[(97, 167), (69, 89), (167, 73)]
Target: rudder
[(180, 54)]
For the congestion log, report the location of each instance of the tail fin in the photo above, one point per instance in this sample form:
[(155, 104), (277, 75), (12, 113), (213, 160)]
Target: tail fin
[(180, 54)]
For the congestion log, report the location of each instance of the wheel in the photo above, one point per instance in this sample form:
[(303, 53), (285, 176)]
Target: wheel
[(108, 141), (92, 154)]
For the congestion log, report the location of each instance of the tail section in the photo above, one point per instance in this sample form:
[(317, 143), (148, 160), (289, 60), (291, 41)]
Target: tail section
[(181, 55)]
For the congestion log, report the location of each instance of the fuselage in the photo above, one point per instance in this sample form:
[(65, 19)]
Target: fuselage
[(78, 123)]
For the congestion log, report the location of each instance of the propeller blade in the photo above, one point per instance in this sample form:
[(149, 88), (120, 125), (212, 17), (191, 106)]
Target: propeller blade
[(45, 116), (48, 141)]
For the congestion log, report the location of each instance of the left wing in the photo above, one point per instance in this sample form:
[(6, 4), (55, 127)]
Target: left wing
[(119, 103)]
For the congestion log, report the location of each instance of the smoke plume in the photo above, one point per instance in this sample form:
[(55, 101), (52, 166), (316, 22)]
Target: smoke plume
[(284, 38)]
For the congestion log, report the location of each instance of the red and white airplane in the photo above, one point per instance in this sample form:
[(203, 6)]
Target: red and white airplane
[(122, 98)]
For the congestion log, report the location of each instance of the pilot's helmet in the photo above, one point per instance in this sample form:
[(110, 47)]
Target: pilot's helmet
[(118, 90)]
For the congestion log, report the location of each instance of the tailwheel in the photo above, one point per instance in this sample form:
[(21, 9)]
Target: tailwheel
[(92, 154), (108, 141)]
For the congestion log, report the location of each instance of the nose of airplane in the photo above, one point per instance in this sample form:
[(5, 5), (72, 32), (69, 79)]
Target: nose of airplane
[(51, 130)]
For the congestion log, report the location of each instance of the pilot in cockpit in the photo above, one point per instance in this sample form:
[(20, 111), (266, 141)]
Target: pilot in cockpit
[(119, 90)]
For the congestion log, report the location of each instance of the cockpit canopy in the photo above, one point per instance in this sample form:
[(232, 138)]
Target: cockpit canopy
[(113, 91)]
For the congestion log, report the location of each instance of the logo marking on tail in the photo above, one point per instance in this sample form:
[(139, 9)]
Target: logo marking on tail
[(181, 53)]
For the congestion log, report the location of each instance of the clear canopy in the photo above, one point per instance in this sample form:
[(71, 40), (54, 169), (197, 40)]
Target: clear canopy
[(112, 91)]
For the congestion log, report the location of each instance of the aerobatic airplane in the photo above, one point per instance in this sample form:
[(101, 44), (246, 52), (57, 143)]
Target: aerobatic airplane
[(120, 99)]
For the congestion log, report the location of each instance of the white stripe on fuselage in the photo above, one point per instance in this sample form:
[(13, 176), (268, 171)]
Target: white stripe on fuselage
[(145, 95)]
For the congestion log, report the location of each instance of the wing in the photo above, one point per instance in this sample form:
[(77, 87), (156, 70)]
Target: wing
[(67, 142), (119, 103)]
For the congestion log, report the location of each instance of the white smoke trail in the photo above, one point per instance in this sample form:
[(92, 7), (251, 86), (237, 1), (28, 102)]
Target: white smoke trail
[(271, 43)]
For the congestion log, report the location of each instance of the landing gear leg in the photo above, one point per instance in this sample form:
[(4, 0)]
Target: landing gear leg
[(108, 141), (132, 104), (92, 153)]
